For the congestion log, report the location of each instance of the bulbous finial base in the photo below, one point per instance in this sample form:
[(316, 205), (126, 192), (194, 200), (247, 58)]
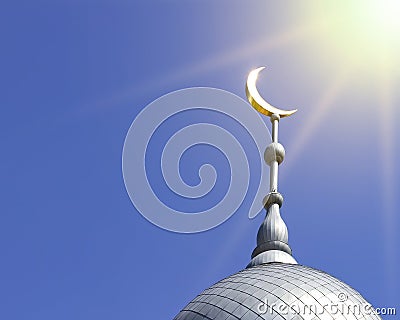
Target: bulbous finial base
[(272, 236)]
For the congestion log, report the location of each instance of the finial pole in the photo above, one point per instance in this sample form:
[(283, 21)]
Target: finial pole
[(272, 237), (275, 126), (273, 177)]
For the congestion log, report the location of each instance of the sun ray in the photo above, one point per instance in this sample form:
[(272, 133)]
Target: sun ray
[(311, 123)]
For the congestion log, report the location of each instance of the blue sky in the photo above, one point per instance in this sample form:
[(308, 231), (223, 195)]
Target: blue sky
[(74, 76)]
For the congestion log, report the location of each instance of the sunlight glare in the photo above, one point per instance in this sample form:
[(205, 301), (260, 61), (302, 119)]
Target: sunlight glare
[(360, 35)]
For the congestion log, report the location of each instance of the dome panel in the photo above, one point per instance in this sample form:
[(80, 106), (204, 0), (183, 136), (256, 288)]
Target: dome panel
[(277, 291)]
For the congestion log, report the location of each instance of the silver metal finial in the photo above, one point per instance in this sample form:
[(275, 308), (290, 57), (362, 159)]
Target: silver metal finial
[(272, 237)]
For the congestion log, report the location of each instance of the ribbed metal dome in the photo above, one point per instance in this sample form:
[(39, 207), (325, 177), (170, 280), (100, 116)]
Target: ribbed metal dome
[(278, 291), (274, 286)]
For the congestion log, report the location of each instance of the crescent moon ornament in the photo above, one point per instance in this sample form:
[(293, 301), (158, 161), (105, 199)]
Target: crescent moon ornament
[(257, 101)]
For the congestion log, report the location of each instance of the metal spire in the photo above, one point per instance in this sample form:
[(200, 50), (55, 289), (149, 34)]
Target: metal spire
[(272, 236)]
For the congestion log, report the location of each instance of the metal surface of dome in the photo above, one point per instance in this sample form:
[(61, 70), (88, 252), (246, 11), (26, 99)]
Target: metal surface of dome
[(278, 291)]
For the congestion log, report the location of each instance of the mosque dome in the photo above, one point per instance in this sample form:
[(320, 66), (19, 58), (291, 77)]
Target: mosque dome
[(278, 291), (274, 286)]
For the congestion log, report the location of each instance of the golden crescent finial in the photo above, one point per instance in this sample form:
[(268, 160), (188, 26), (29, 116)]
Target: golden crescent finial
[(257, 101)]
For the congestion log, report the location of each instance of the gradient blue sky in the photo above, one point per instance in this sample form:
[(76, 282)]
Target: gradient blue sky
[(74, 75)]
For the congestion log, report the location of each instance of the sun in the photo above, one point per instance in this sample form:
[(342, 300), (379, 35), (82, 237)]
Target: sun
[(363, 36)]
